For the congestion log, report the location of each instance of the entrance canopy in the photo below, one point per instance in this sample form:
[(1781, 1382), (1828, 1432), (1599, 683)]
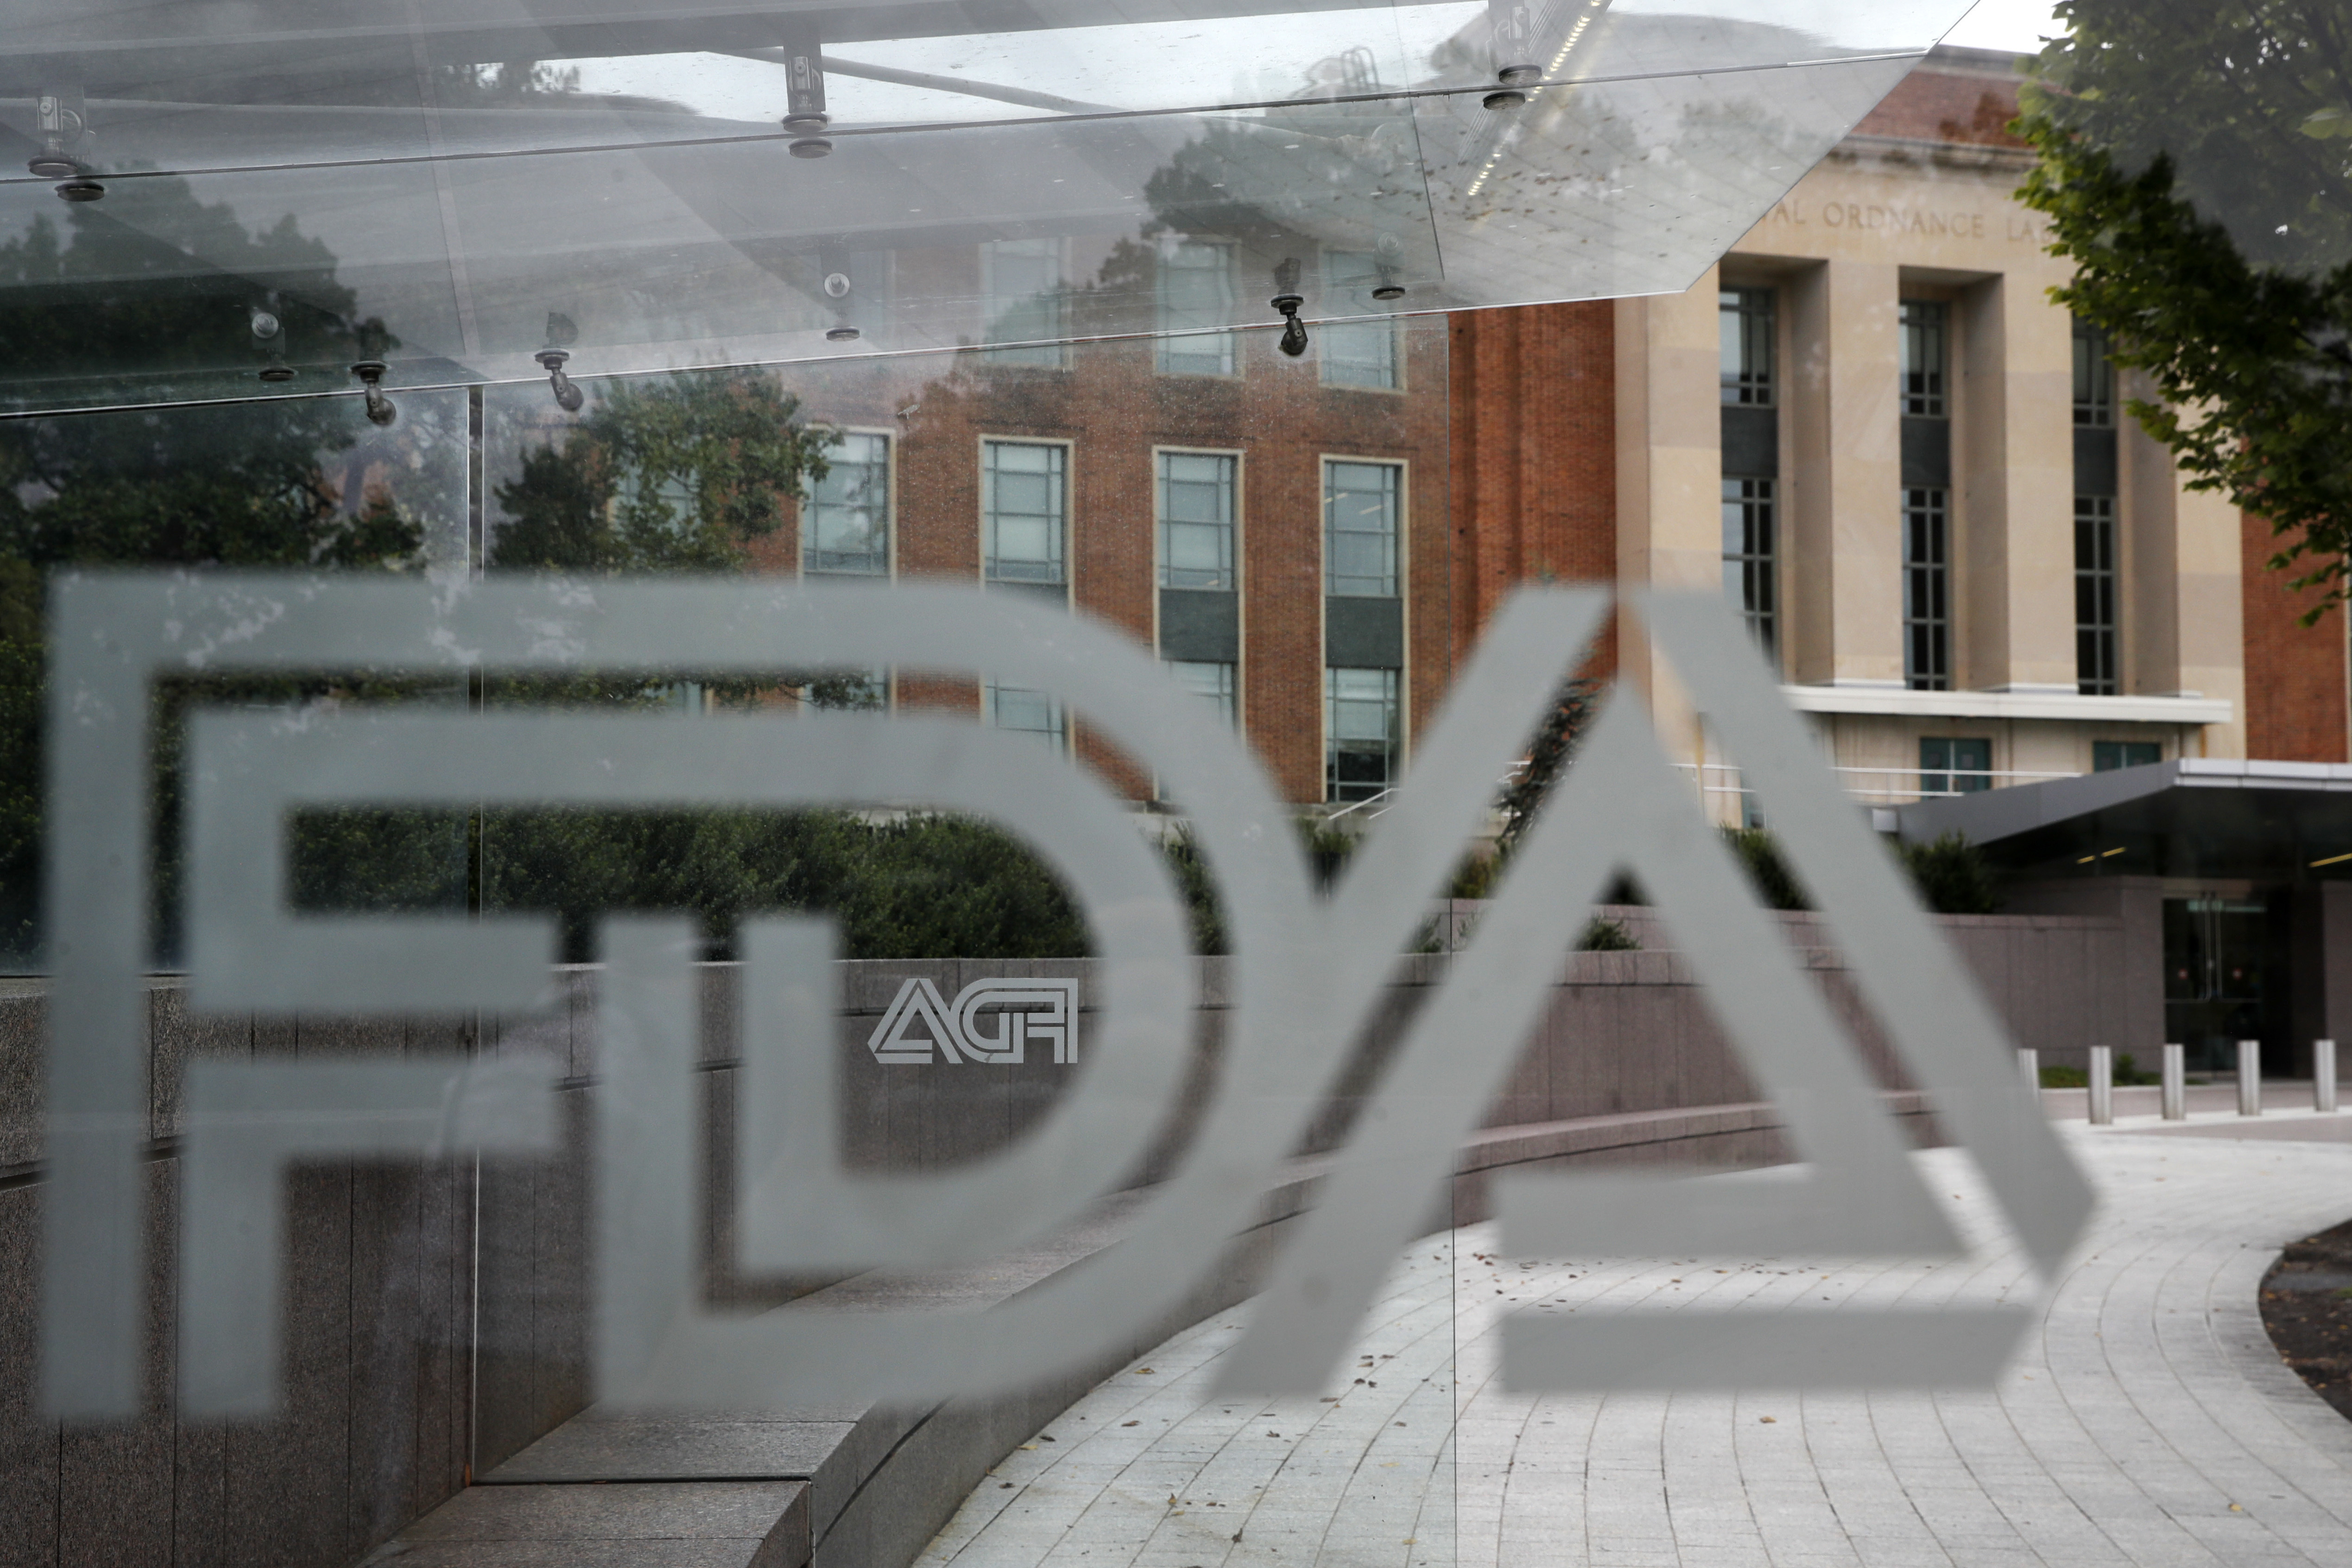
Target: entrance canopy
[(455, 187), (2261, 821)]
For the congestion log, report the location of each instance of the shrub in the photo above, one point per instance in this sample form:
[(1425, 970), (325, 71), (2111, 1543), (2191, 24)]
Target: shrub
[(1760, 856), (1601, 935), (1952, 877)]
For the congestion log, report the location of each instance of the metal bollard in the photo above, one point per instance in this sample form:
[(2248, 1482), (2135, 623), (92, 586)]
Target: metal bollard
[(2323, 1076), (2029, 1065), (2103, 1086), (2250, 1078), (2176, 1083)]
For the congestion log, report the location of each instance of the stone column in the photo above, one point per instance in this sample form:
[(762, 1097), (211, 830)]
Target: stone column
[(2013, 461), (1843, 517)]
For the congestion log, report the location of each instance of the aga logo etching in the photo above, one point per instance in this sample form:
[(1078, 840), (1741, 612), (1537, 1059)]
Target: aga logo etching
[(1027, 1013)]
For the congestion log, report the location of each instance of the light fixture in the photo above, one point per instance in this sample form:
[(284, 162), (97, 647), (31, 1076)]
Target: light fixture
[(804, 111), (568, 394), (62, 128), (844, 334), (266, 327), (561, 332), (1287, 300), (380, 409), (1515, 80), (2332, 861)]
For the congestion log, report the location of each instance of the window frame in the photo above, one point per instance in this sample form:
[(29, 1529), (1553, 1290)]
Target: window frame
[(889, 573), (1937, 779), (1339, 294), (2097, 602), (1051, 349), (1068, 582), (1927, 588), (2094, 391), (1754, 566), (1058, 733), (1926, 393), (1227, 700), (1227, 339), (1746, 388), (1401, 532), (1233, 458), (1392, 698)]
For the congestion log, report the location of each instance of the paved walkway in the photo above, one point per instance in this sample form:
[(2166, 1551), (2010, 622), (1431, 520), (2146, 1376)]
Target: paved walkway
[(2148, 1420)]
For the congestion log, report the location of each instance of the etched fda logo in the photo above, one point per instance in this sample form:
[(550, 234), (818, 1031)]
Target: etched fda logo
[(1025, 1013), (1304, 981)]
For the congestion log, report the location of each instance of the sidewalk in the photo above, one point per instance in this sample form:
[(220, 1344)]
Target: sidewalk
[(2147, 1421)]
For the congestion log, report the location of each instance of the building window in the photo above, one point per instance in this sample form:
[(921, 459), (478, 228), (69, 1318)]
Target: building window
[(2106, 757), (1024, 489), (1950, 765), (1751, 579), (1196, 519), (848, 690), (1746, 321), (1355, 354), (1359, 729), (1196, 292), (1927, 590), (845, 526), (1021, 280), (1925, 328), (1027, 713), (1360, 506), (1212, 683), (2094, 595), (2095, 378)]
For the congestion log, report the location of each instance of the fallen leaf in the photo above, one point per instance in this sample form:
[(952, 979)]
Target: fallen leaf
[(1768, 1420), (1130, 1423)]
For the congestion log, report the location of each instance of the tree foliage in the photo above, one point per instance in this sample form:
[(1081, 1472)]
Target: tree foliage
[(676, 475), (2195, 163)]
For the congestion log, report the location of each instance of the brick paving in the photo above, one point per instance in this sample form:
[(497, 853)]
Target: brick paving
[(2147, 1420)]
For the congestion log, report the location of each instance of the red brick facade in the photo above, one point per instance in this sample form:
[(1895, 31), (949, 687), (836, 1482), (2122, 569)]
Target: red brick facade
[(2295, 678), (1113, 410), (1535, 453)]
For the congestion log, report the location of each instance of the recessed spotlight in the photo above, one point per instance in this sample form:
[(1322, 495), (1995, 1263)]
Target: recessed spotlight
[(842, 334), (1388, 291)]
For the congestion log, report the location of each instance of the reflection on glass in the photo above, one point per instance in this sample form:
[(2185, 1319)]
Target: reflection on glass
[(848, 517), (1023, 280), (1196, 294), (1357, 353)]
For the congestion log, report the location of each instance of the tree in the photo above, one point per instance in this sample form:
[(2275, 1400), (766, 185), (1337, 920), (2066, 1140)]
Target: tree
[(106, 312), (2196, 166), (1564, 723), (676, 475)]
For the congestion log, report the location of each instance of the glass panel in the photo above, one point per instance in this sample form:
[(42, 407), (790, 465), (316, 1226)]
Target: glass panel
[(1750, 555), (1746, 326), (456, 194), (1926, 591), (2094, 594), (1027, 500), (1361, 505), (1361, 730), (1924, 324), (846, 519), (1210, 682), (1197, 491), (1196, 291)]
